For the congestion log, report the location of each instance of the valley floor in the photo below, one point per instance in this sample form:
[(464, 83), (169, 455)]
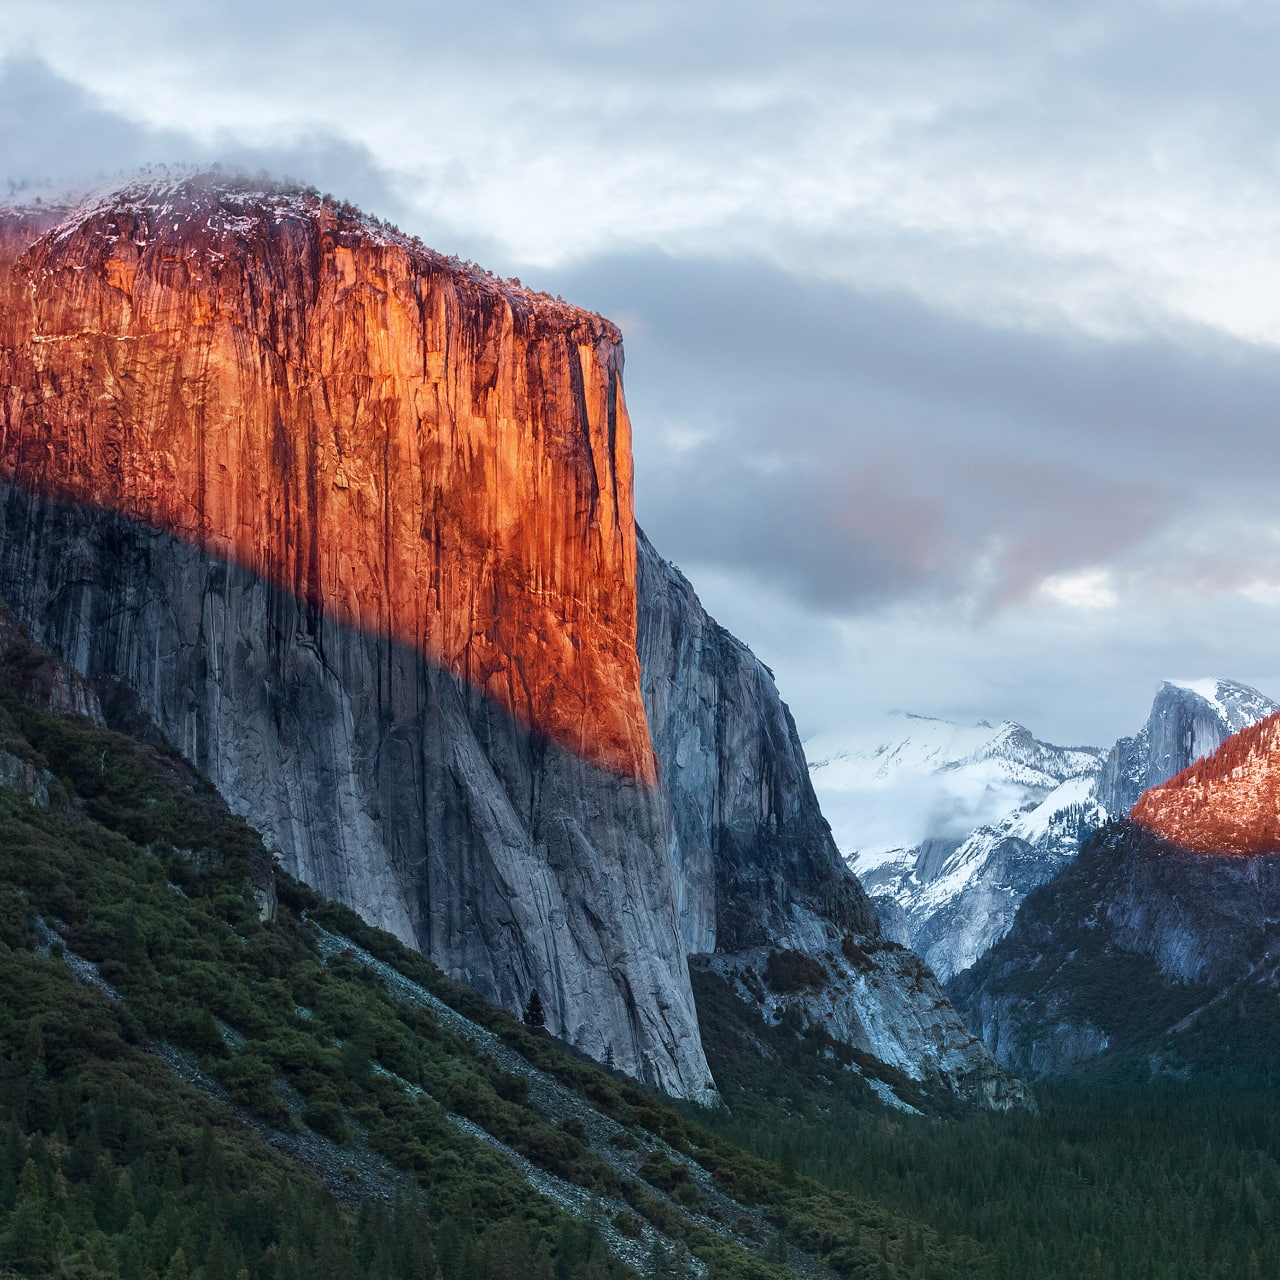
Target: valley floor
[(1115, 1182)]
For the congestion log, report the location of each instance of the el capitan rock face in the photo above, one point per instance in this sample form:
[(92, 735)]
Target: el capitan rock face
[(352, 524), (410, 447)]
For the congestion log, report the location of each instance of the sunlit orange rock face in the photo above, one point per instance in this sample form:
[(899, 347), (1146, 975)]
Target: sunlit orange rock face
[(404, 443), (1227, 803)]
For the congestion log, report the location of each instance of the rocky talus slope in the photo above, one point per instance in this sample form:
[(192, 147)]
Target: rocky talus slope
[(351, 523)]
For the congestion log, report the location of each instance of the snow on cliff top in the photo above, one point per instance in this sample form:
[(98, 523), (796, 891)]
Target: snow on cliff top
[(1237, 704), (174, 189)]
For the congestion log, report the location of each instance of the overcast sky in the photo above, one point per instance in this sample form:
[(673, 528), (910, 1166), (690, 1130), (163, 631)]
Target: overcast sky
[(953, 327)]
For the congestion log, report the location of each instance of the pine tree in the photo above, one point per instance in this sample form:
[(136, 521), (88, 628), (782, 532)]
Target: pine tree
[(27, 1243), (534, 1014), (787, 1164), (177, 1268)]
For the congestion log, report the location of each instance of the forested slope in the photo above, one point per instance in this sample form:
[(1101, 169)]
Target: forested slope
[(210, 1072)]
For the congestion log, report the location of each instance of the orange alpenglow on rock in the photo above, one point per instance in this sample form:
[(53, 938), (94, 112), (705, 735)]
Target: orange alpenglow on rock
[(401, 441), (1229, 802)]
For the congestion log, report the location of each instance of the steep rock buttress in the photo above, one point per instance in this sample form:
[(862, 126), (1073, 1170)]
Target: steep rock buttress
[(762, 887), (352, 524)]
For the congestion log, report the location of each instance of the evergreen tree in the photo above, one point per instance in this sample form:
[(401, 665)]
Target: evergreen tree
[(787, 1163), (534, 1014), (27, 1244)]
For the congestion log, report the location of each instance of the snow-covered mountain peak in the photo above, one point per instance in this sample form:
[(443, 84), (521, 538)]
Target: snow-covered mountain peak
[(1236, 704), (950, 826), (908, 779)]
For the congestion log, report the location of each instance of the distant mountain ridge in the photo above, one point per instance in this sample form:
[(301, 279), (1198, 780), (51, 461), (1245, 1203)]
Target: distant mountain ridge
[(951, 895), (1138, 957), (1188, 720), (1158, 949)]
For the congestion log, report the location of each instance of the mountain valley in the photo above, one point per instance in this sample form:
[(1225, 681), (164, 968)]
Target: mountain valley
[(404, 877)]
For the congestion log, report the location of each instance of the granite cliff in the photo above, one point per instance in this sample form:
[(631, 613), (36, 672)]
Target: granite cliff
[(350, 524), (780, 933)]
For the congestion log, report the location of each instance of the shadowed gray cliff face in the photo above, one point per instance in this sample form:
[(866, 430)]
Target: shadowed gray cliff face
[(1138, 953), (755, 859), (381, 780), (759, 876), (389, 785)]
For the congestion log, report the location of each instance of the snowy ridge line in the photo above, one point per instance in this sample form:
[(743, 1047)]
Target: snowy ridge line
[(952, 826), (1238, 705)]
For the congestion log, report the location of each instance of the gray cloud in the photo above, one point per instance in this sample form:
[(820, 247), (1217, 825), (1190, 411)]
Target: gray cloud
[(852, 449), (54, 133)]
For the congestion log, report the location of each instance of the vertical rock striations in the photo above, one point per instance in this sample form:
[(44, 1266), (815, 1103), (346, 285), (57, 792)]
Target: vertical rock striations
[(755, 860), (767, 904), (406, 446), (352, 524)]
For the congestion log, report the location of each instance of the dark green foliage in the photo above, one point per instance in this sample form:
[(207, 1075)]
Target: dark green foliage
[(113, 1168), (1153, 1181), (534, 1014), (1118, 1179), (110, 1166), (845, 1229)]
